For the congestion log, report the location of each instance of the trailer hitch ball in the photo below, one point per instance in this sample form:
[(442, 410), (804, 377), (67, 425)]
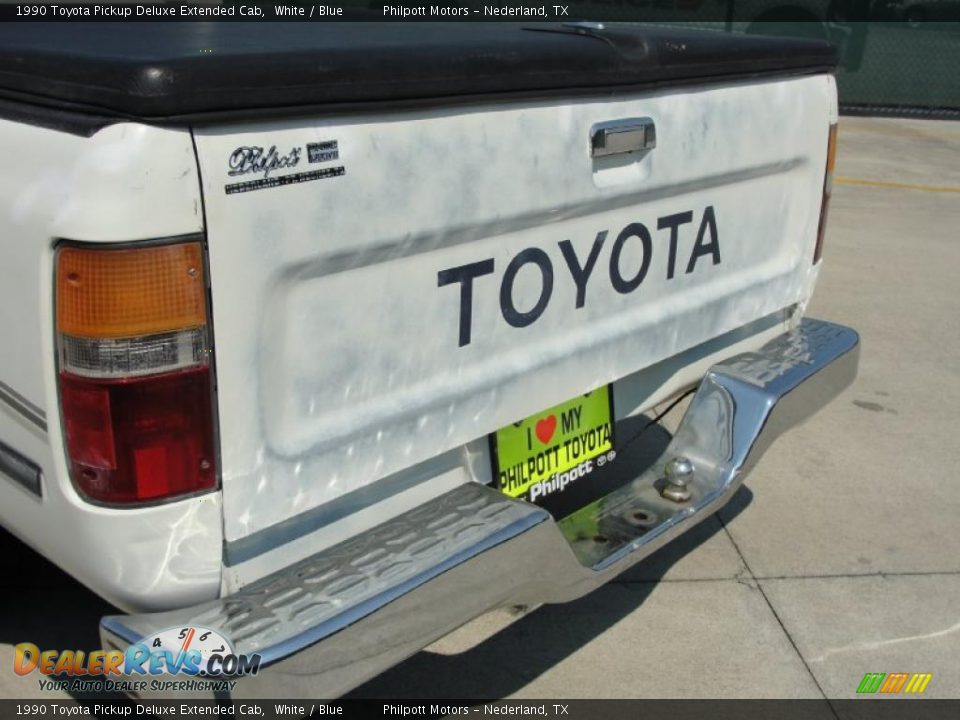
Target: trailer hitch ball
[(678, 473)]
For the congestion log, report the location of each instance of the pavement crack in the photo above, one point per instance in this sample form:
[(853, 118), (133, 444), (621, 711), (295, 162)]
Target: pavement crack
[(773, 610), (744, 576), (658, 581), (876, 574)]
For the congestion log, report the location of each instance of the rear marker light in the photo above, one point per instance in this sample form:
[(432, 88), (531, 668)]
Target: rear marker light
[(827, 190), (135, 385)]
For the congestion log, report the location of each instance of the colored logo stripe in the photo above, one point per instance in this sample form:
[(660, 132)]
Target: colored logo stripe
[(893, 683), (871, 682), (918, 683)]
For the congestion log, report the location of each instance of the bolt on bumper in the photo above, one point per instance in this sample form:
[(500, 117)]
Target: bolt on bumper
[(332, 621)]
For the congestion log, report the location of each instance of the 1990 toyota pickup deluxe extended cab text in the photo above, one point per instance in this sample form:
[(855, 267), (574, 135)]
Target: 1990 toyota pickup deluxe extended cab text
[(304, 327)]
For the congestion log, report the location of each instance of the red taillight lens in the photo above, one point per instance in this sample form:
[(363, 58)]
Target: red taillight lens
[(827, 190), (137, 403), (140, 439)]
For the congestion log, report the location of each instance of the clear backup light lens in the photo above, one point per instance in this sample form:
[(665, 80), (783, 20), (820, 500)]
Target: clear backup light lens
[(128, 357), (135, 385)]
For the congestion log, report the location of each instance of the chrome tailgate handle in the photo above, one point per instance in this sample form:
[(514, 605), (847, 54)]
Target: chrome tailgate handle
[(618, 137)]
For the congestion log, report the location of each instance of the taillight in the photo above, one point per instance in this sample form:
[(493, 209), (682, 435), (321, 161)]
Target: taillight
[(134, 364), (827, 189)]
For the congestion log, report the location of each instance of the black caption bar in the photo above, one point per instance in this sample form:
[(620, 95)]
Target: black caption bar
[(862, 709), (333, 10), (728, 12)]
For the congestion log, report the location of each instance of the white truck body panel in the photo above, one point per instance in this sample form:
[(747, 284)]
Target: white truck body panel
[(339, 361), (101, 188)]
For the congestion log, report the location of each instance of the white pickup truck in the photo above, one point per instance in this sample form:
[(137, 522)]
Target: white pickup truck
[(304, 327)]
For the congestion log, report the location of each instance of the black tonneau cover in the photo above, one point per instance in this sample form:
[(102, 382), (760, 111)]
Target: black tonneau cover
[(157, 71)]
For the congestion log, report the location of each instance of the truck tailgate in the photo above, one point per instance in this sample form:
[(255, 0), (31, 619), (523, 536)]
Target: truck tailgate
[(389, 286)]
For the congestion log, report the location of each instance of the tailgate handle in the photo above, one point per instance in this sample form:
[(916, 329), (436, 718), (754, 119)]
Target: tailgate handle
[(618, 137)]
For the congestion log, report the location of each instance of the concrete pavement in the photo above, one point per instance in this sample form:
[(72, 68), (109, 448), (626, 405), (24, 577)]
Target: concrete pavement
[(841, 555)]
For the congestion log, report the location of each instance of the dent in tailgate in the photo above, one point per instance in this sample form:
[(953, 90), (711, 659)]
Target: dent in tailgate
[(441, 286)]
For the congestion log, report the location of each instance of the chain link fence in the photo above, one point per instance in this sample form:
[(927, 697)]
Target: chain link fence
[(899, 57), (905, 69)]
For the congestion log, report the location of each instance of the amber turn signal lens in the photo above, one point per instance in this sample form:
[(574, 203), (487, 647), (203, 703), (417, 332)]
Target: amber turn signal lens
[(832, 149), (130, 292), (827, 190)]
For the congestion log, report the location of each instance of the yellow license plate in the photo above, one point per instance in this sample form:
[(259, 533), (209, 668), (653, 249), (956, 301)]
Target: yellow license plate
[(542, 454)]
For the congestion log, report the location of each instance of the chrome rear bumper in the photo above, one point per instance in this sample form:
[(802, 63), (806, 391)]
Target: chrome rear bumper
[(327, 624)]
